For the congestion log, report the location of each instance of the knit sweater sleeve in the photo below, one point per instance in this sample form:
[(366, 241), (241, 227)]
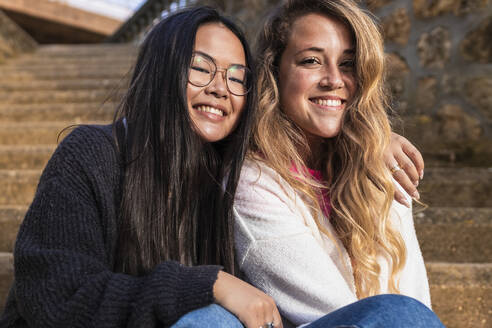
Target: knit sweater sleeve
[(63, 254)]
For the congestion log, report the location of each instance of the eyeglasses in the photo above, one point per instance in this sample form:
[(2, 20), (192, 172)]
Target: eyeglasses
[(203, 69)]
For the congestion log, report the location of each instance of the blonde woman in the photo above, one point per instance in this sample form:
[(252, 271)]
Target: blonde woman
[(316, 224)]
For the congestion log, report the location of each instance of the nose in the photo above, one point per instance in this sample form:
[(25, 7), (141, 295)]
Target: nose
[(218, 86), (332, 78)]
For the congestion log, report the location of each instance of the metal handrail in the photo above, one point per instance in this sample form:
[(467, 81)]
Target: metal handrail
[(141, 20)]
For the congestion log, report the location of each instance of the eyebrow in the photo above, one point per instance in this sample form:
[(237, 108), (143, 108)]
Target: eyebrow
[(213, 59), (204, 55), (350, 51)]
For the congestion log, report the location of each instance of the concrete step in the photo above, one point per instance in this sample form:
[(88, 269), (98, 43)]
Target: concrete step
[(89, 50), (57, 112), (6, 277), (18, 186), (461, 293), (457, 187), (49, 85), (445, 234), (40, 62), (96, 72), (21, 157), (10, 219), (48, 67), (457, 235), (59, 96), (37, 133)]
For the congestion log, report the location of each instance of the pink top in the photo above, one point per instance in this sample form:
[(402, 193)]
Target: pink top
[(325, 202)]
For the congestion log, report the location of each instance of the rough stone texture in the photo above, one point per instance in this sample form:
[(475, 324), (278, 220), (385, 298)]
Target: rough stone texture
[(396, 76), (13, 40), (25, 157), (450, 234), (461, 294), (41, 133), (457, 187), (397, 27), (450, 84), (18, 186), (464, 7), (10, 220), (250, 12), (478, 91), (434, 48), (60, 112), (376, 4), (456, 126), (425, 131), (433, 8), (477, 45), (426, 94), (6, 276)]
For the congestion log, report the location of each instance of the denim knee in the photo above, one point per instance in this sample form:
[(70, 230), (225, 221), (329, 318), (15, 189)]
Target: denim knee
[(381, 311), (407, 311), (212, 316)]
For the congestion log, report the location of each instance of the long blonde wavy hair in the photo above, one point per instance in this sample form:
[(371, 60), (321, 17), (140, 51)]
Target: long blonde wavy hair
[(359, 184)]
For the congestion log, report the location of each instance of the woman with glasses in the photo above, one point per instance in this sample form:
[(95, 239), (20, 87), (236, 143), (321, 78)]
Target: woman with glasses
[(131, 225)]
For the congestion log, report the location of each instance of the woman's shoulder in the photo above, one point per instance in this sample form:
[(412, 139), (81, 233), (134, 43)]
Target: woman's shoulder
[(259, 180), (86, 141), (255, 170), (84, 137), (87, 148)]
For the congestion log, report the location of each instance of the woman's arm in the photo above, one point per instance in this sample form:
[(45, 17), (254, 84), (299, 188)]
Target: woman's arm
[(64, 256), (281, 251), (64, 251)]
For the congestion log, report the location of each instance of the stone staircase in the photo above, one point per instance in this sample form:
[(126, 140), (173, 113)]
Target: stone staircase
[(57, 86), (40, 95)]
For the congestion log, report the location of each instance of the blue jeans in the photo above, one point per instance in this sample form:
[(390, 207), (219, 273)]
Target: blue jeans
[(373, 312)]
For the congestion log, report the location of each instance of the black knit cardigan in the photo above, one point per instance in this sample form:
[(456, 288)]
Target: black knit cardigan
[(64, 252)]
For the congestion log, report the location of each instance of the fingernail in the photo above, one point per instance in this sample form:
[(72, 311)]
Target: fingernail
[(416, 183), (403, 201), (416, 195), (421, 174)]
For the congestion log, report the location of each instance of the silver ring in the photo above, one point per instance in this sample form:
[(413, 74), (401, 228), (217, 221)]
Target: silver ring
[(395, 168), (269, 325)]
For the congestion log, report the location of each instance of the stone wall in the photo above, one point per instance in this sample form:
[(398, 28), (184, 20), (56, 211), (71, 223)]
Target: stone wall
[(13, 40), (440, 70), (441, 55)]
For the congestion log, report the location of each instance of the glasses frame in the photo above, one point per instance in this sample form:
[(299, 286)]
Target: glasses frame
[(224, 72)]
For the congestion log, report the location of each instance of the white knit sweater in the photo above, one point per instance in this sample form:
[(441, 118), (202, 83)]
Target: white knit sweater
[(281, 250)]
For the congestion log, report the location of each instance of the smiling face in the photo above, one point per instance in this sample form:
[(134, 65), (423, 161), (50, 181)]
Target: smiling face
[(214, 110), (317, 75)]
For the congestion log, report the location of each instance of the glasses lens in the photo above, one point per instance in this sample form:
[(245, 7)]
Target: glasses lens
[(201, 71), (238, 79)]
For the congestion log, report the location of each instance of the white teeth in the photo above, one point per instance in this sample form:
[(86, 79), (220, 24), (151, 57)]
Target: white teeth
[(209, 109), (328, 102)]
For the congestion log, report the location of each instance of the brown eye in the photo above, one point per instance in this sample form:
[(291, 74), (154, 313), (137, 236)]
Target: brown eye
[(347, 64)]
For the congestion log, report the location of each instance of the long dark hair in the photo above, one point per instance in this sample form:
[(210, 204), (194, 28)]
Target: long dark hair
[(177, 190)]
